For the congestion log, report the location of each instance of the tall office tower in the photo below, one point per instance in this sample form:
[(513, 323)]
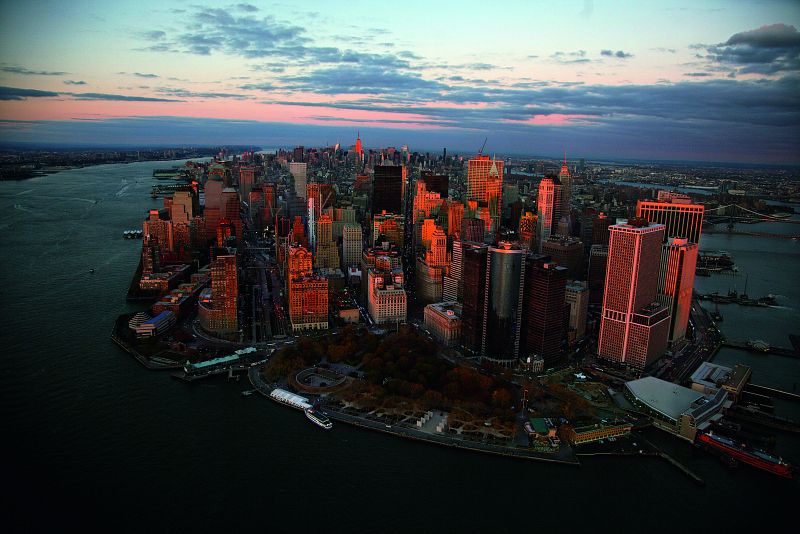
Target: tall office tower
[(455, 214), (548, 205), (213, 204), (151, 255), (220, 315), (426, 233), (436, 183), (270, 205), (485, 186), (327, 252), (598, 262), (299, 232), (543, 309), (160, 229), (247, 177), (298, 153), (675, 283), (472, 230), (577, 298), (634, 327), (183, 206), (386, 297), (226, 233), (437, 253), (567, 252), (474, 283), (600, 234), (681, 218), (429, 278), (424, 202), (505, 277), (351, 245), (387, 189), (359, 148), (308, 293), (323, 195), (300, 174), (527, 230), (452, 280), (566, 188), (231, 210)]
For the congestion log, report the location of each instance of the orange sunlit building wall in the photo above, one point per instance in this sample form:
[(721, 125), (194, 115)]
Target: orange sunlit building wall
[(680, 218)]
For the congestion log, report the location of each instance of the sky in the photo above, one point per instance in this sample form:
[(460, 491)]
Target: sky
[(681, 80)]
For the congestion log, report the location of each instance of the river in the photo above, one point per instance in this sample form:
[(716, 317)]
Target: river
[(94, 440)]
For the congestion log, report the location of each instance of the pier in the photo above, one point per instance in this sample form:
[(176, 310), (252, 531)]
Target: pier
[(761, 349)]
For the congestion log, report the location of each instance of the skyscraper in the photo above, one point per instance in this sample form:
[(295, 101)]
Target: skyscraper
[(543, 312), (472, 230), (308, 293), (568, 253), (577, 298), (566, 188), (505, 275), (436, 183), (220, 315), (527, 229), (681, 218), (598, 261), (485, 185), (352, 243), (675, 283), (548, 205), (474, 283), (387, 189), (634, 327), (299, 172)]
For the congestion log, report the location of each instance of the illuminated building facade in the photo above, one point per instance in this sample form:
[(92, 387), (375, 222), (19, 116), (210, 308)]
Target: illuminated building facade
[(220, 315), (681, 219), (548, 205), (503, 296), (675, 283)]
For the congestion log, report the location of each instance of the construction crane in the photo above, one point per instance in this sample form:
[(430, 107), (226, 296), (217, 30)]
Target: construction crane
[(480, 151)]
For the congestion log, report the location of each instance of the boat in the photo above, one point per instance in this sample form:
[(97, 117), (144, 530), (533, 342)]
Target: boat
[(318, 419), (91, 271), (248, 392), (742, 452)]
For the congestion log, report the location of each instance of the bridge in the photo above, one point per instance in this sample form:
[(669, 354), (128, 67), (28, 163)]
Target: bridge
[(734, 213)]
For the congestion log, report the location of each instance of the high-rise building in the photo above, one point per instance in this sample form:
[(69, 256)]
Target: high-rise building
[(451, 282), (567, 252), (387, 189), (681, 218), (566, 187), (548, 205), (577, 298), (359, 148), (634, 327), (299, 173), (485, 186), (327, 256), (675, 283), (527, 230), (598, 261), (389, 225), (600, 234), (505, 276), (352, 243), (443, 319), (247, 177), (472, 230), (543, 311), (386, 296), (220, 315), (455, 214), (436, 183), (308, 292), (474, 284)]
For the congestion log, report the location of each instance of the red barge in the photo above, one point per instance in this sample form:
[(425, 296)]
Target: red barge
[(749, 455)]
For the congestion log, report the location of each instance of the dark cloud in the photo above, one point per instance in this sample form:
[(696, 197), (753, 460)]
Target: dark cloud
[(185, 93), (665, 50), (145, 75), (74, 82), (248, 8), (697, 74), (618, 54), (155, 35), (119, 98), (16, 93), (768, 50), (362, 79), (16, 69)]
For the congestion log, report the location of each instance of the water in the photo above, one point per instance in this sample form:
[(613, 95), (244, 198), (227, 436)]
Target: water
[(93, 439)]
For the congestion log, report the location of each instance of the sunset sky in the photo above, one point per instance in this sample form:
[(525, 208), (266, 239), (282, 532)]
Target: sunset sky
[(692, 80)]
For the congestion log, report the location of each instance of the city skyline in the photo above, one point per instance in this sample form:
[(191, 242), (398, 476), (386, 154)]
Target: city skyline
[(716, 82)]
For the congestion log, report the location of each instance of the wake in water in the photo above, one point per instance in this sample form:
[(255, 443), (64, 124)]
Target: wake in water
[(122, 191)]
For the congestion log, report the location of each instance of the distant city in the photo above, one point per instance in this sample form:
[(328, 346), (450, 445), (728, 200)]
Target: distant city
[(540, 309)]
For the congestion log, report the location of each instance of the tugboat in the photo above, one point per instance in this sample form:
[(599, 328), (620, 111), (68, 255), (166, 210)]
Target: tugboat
[(318, 419), (91, 271)]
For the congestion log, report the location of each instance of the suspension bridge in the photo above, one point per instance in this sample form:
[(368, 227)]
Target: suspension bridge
[(732, 214)]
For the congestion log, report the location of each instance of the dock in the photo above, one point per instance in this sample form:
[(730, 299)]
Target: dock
[(766, 349)]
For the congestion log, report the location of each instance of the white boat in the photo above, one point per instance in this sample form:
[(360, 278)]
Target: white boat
[(318, 419)]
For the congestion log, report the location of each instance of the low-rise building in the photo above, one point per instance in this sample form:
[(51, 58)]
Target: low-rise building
[(590, 433), (443, 319)]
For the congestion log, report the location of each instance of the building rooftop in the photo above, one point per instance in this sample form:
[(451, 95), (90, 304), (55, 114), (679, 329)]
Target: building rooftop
[(711, 375), (662, 396)]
